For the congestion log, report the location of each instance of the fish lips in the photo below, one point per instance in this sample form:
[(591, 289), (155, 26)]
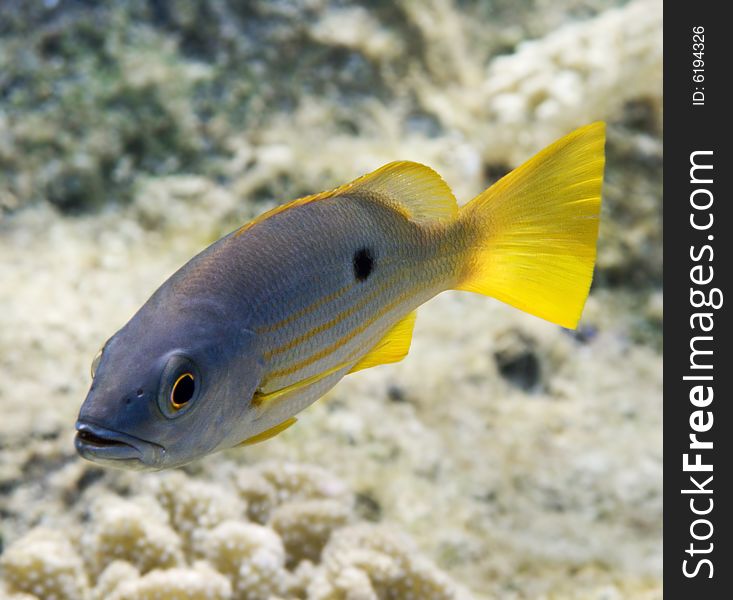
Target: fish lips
[(115, 449)]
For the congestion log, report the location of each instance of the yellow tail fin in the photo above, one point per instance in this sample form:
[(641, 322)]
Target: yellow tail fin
[(537, 227)]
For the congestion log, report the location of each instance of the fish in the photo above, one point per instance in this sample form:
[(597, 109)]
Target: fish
[(267, 319)]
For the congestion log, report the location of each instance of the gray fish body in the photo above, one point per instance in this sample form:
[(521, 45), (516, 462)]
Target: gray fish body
[(312, 312), (262, 311), (267, 319)]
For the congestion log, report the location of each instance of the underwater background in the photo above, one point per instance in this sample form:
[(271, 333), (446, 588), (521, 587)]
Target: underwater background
[(505, 457)]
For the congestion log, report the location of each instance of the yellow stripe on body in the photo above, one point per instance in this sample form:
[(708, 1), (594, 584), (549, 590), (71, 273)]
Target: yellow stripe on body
[(304, 311), (355, 332), (340, 317), (263, 399)]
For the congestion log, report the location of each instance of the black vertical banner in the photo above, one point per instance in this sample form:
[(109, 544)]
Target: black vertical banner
[(698, 298)]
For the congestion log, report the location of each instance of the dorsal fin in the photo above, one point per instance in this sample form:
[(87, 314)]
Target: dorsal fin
[(419, 190), (414, 189), (393, 347)]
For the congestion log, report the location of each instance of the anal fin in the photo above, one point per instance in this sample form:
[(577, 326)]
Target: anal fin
[(393, 347)]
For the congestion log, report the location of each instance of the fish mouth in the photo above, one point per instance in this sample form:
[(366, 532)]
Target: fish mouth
[(113, 448)]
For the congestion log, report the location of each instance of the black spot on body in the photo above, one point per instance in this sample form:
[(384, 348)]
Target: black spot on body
[(363, 264)]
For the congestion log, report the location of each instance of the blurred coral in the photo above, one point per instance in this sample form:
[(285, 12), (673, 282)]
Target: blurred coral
[(306, 525), (252, 556), (44, 564), (194, 507), (197, 583), (135, 547), (136, 531), (368, 561)]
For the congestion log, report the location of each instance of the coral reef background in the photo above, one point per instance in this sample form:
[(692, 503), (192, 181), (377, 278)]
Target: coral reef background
[(504, 458)]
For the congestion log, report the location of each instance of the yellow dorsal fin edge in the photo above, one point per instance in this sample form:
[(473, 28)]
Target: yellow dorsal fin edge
[(411, 188)]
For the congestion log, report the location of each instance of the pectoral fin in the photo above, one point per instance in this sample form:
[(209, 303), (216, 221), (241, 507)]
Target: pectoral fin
[(264, 398), (393, 347), (268, 433)]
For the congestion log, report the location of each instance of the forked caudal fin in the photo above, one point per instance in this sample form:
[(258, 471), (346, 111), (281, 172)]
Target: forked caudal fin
[(536, 230)]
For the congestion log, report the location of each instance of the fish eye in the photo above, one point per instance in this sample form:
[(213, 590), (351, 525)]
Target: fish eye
[(180, 386), (96, 361), (182, 390)]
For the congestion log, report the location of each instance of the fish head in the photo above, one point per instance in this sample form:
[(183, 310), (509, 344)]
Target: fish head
[(168, 388)]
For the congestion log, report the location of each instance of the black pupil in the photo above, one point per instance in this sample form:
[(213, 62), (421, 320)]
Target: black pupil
[(363, 264), (183, 389)]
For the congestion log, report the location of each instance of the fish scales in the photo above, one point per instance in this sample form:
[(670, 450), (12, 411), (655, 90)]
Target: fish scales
[(404, 276)]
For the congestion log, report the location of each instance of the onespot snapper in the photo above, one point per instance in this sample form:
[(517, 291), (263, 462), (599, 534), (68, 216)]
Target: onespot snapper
[(267, 319)]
